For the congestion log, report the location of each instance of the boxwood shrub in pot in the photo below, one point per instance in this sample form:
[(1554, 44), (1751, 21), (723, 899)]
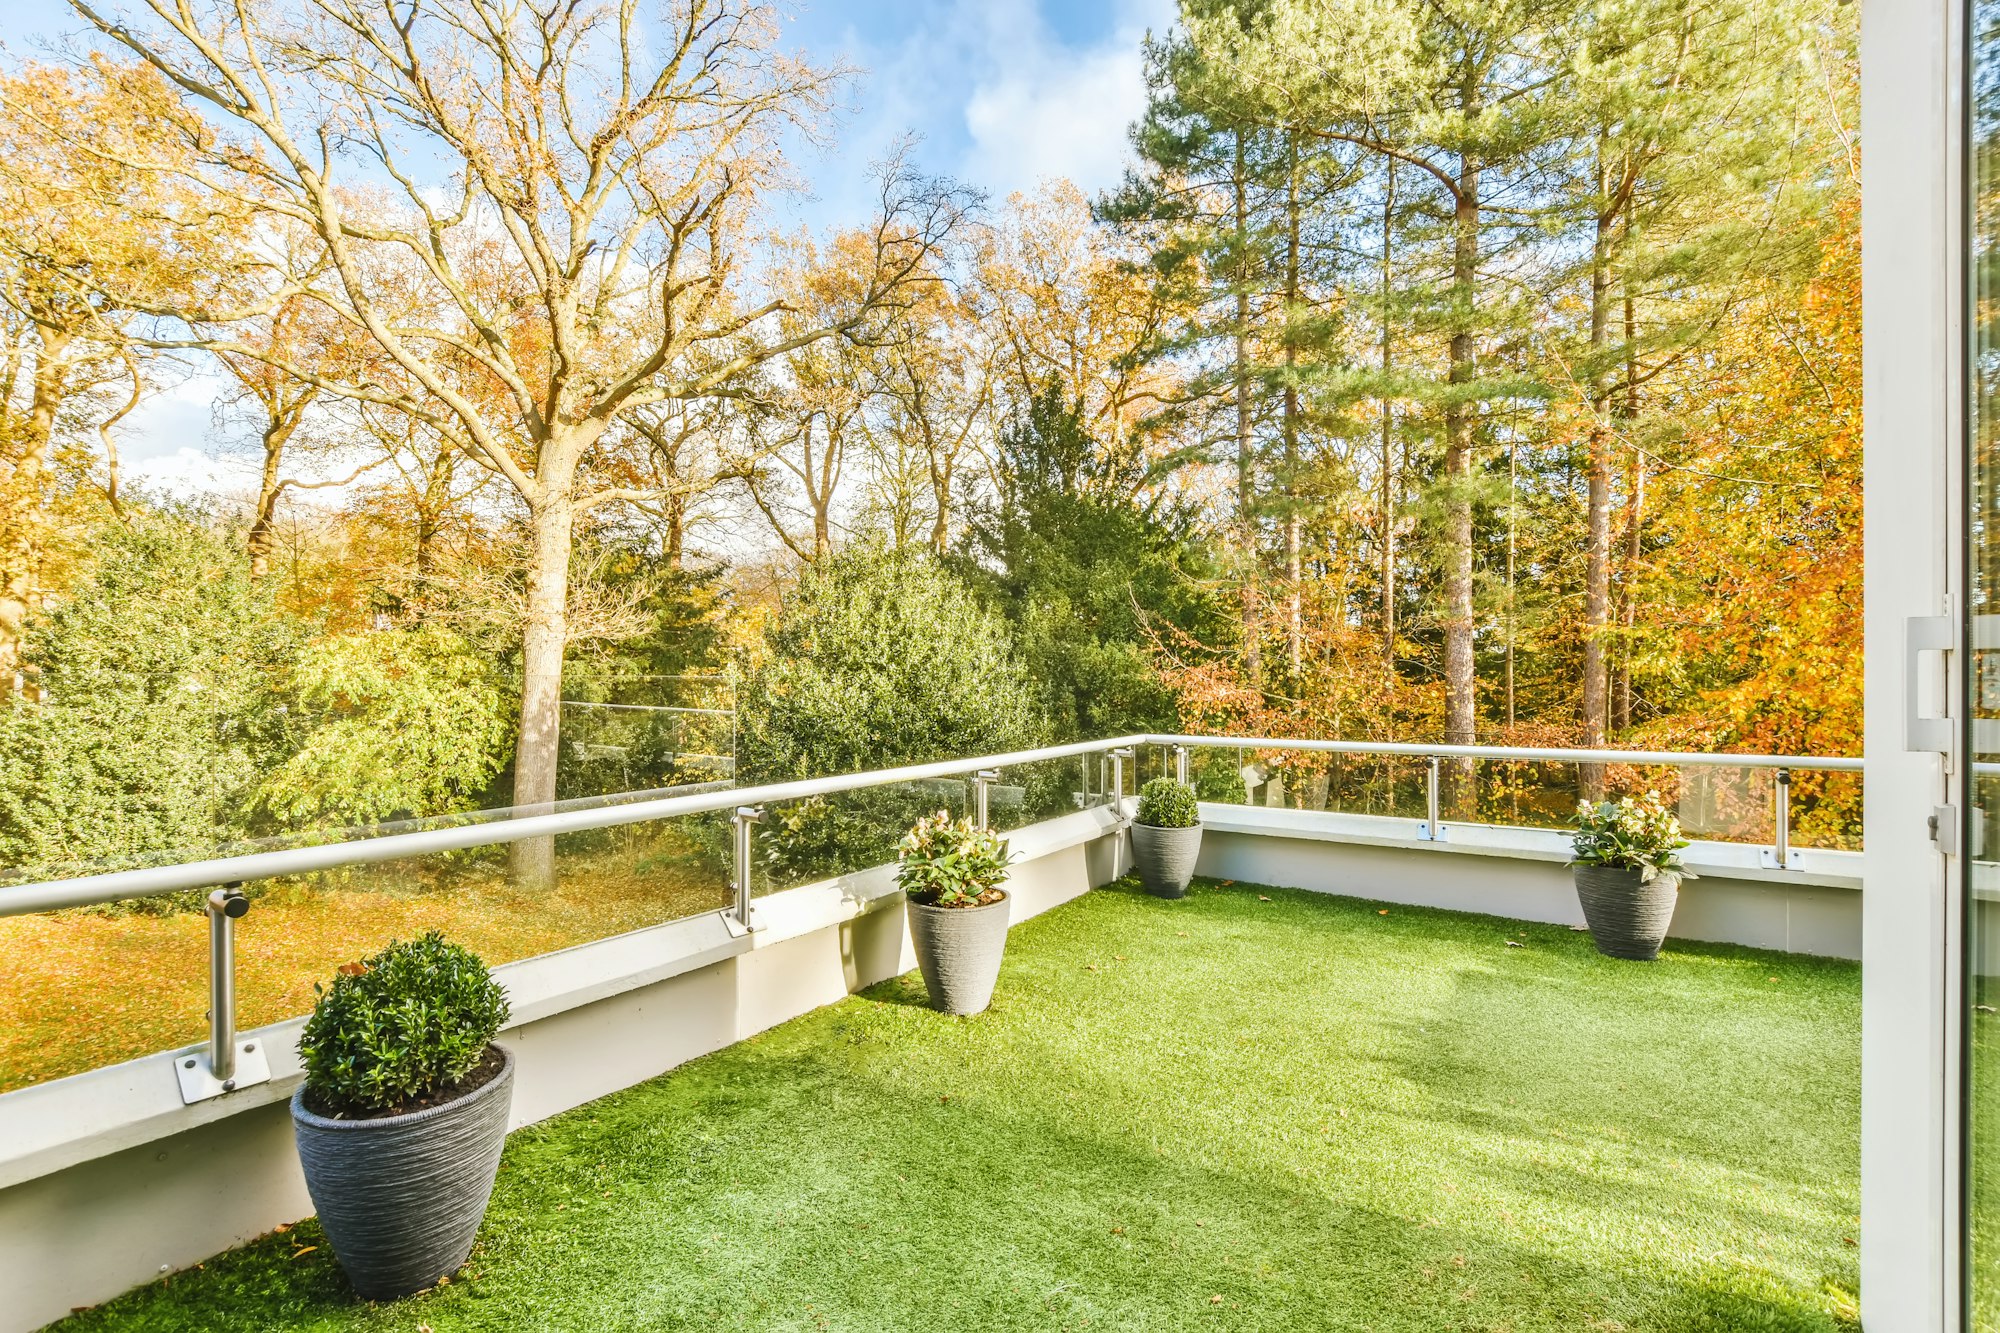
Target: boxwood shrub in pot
[(403, 1112), (1628, 873), (1166, 837), (950, 872)]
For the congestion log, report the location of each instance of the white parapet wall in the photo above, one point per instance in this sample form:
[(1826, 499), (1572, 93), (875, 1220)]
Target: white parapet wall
[(1813, 907), (107, 1181)]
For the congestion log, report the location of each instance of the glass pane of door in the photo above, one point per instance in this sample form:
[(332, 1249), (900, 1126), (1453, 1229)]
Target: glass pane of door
[(1982, 638)]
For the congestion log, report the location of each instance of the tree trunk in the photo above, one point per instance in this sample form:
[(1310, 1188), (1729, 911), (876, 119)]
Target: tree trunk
[(1628, 587), (1513, 524), (270, 486), (1628, 595), (941, 494), (1460, 683), (538, 751), (1246, 480), (1294, 518), (1388, 447), (431, 506), (1592, 710)]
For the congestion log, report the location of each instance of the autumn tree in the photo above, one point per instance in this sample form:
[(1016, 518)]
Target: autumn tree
[(87, 239), (568, 191)]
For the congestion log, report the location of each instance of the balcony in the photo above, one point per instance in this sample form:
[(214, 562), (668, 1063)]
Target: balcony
[(1332, 1103)]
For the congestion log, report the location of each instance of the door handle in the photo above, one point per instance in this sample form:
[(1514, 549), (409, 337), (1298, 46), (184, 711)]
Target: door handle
[(1930, 732)]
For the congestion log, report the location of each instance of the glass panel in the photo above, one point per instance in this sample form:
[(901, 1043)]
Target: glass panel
[(610, 747), (804, 842), (1982, 891), (1715, 803), (92, 986), (1030, 793), (1983, 679)]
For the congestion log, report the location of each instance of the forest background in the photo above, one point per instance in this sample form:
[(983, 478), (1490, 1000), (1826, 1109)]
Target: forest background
[(1457, 371)]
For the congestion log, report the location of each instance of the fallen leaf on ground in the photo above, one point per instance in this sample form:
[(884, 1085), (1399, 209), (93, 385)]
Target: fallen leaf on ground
[(1516, 944), (1263, 897), (307, 1250)]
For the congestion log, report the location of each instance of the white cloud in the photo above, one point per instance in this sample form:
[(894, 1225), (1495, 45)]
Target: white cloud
[(191, 472), (1045, 109)]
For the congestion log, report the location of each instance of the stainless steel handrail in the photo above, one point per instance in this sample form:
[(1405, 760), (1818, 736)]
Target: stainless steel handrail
[(219, 1073), (151, 881), (1778, 857), (1513, 753)]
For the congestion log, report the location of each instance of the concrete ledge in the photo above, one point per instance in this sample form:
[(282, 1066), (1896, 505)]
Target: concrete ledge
[(1521, 873), (108, 1181)]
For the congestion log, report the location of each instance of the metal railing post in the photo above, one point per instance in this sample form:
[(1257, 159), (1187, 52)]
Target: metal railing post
[(1180, 764), (982, 788), (1433, 826), (744, 818), (1781, 820), (227, 1065), (224, 906), (1118, 758)]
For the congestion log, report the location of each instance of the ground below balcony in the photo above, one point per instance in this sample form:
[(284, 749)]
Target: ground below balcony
[(1251, 1109)]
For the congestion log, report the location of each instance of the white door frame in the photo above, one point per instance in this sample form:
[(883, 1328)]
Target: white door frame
[(1912, 77)]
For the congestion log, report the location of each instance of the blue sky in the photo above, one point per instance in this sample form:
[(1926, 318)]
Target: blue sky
[(1004, 94)]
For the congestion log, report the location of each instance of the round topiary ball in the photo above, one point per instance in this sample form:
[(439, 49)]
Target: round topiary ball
[(403, 1024)]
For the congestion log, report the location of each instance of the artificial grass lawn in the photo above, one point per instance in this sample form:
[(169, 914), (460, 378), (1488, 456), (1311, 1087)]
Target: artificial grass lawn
[(1250, 1109)]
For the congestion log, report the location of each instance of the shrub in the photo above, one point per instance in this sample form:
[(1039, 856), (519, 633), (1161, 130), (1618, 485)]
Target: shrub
[(396, 722), (155, 718), (880, 658), (403, 1024), (1165, 803), (948, 862), (1640, 835)]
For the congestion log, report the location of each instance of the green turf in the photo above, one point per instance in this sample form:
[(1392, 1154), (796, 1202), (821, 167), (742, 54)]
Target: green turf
[(1251, 1109)]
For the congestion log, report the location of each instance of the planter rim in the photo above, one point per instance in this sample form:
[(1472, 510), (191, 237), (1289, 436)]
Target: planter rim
[(490, 1087), (1001, 901), (1169, 828), (1672, 876)]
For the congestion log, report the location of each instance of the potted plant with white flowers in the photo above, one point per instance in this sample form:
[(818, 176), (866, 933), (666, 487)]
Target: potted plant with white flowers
[(1628, 872), (950, 871), (403, 1112), (1166, 836)]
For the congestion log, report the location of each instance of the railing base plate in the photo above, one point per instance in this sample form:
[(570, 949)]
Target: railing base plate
[(1768, 858), (199, 1085)]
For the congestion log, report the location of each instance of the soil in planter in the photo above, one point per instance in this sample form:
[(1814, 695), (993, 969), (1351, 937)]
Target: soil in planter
[(986, 899), (491, 1062)]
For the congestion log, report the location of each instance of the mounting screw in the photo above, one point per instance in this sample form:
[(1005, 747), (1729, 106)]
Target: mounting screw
[(188, 1063), (249, 1048), (229, 1085)]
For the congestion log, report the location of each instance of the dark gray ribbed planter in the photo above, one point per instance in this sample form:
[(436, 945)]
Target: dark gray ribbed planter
[(402, 1197), (1627, 919), (1165, 857), (958, 951)]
